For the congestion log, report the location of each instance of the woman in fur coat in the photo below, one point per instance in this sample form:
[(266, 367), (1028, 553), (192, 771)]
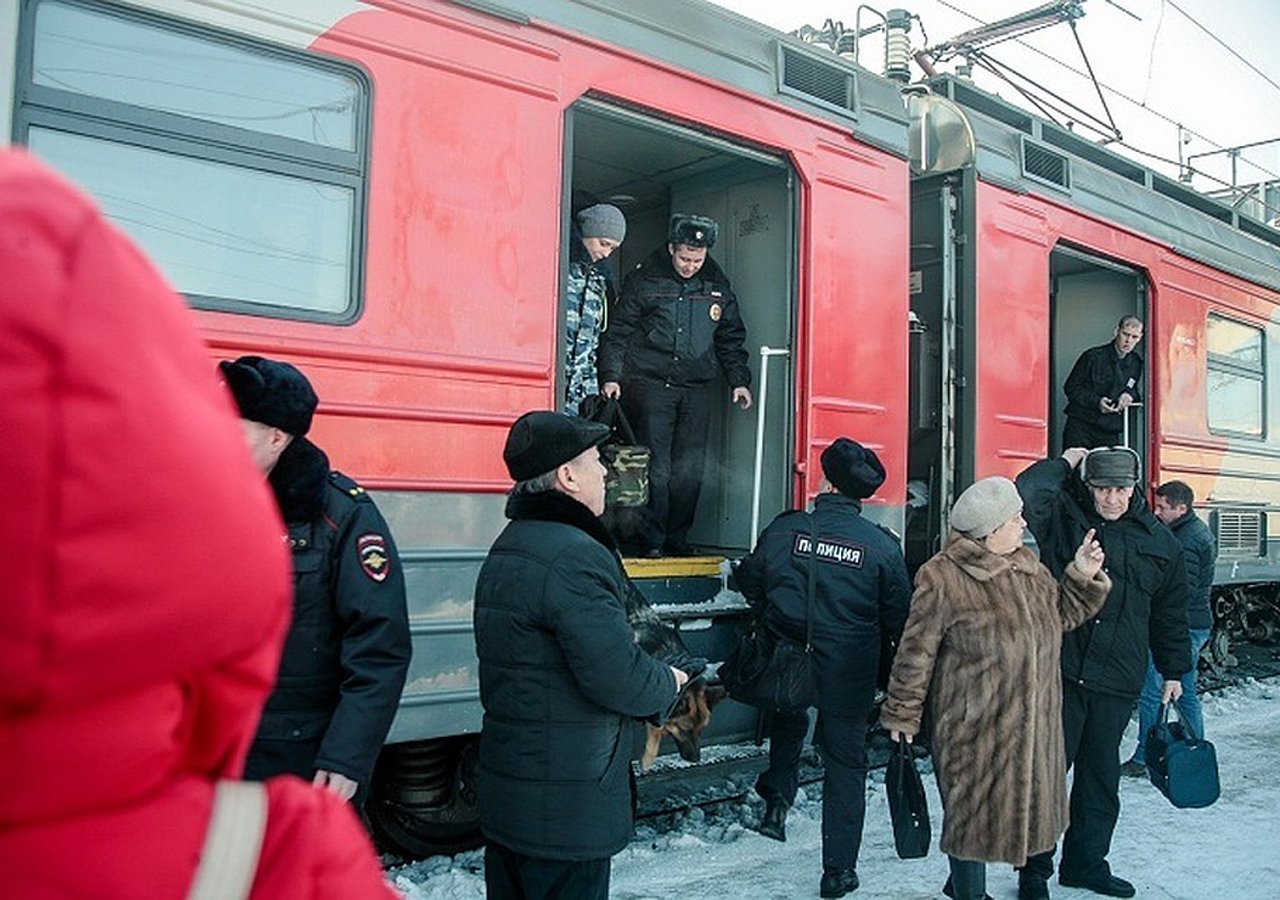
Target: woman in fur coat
[(981, 649)]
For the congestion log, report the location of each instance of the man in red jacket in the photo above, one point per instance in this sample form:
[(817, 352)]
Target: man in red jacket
[(146, 586)]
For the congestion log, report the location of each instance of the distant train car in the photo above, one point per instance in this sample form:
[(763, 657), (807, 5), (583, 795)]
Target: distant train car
[(380, 193)]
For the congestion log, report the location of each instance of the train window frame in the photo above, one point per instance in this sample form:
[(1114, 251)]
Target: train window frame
[(1222, 364), (201, 141)]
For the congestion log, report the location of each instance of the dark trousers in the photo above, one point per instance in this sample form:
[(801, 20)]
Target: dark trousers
[(1093, 724), (509, 875), (672, 422), (1082, 434), (844, 780), (968, 878)]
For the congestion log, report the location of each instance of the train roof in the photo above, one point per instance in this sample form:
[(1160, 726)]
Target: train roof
[(1014, 148), (723, 46)]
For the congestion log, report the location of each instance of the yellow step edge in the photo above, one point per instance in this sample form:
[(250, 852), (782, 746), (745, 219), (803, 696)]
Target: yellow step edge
[(672, 566)]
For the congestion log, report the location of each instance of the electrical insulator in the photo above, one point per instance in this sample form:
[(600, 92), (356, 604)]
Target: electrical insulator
[(897, 64)]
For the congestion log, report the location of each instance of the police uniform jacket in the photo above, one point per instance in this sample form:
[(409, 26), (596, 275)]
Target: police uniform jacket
[(347, 651), (1101, 372), (1147, 605), (861, 593), (1200, 553), (678, 331), (562, 683)]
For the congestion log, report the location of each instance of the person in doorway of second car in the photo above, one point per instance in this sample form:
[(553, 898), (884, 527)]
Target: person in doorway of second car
[(562, 680), (861, 593), (1103, 384), (1104, 663), (675, 329), (981, 651), (347, 652), (597, 231), (1174, 507)]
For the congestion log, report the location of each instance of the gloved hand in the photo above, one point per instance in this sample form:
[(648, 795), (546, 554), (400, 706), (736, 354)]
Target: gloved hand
[(693, 666)]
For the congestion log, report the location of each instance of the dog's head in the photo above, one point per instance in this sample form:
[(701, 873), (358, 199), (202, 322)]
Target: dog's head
[(686, 723)]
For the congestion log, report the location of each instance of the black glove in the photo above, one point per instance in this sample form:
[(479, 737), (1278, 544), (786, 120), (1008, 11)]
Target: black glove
[(693, 666)]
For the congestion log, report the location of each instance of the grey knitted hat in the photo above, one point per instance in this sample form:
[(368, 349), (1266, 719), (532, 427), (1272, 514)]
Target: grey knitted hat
[(603, 221), (984, 506)]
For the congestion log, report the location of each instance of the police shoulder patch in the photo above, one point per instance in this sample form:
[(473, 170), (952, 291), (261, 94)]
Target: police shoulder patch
[(835, 550), (375, 561)]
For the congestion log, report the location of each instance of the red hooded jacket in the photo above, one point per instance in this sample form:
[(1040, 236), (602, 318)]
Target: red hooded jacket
[(146, 582)]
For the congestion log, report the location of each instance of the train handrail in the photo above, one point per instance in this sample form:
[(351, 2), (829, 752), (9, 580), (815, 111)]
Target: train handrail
[(766, 353)]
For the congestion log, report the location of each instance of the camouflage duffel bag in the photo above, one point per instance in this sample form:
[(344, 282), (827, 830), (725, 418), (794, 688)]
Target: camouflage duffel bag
[(626, 483)]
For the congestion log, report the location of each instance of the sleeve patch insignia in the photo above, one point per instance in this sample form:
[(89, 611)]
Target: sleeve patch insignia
[(374, 559), (715, 312)]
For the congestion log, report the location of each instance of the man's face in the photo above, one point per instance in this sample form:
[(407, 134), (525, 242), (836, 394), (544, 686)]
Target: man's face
[(266, 443), (687, 260), (1127, 337), (1111, 502), (599, 248), (588, 476), (1167, 512)]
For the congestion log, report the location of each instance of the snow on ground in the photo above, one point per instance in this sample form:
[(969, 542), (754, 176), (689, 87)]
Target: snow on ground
[(1229, 850)]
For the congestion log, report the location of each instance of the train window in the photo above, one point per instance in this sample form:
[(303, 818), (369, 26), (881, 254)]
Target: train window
[(1236, 377), (239, 166)]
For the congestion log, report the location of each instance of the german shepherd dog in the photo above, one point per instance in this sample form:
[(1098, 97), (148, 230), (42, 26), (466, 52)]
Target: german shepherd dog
[(691, 711)]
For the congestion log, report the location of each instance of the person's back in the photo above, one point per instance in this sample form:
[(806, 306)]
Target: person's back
[(135, 651)]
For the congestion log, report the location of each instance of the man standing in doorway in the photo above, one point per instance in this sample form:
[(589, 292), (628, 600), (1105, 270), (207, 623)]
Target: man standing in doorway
[(676, 327), (1103, 384)]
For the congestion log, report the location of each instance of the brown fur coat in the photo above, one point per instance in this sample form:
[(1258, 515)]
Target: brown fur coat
[(982, 648)]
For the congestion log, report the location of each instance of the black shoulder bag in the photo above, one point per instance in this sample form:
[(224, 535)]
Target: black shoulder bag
[(908, 805)]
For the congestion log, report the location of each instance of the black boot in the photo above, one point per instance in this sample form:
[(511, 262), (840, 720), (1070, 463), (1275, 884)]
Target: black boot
[(837, 882), (773, 824), (1032, 886)]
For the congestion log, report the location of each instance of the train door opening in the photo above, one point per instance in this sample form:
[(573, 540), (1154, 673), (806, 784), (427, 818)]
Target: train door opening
[(651, 168), (1089, 295)]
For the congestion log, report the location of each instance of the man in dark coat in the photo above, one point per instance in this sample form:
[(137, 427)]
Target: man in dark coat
[(562, 680), (861, 594), (347, 651), (1175, 507), (675, 328), (1104, 661), (1102, 385)]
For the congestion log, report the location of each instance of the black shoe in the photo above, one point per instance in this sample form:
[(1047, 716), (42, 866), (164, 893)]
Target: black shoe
[(1108, 885), (1133, 769), (838, 882), (773, 823), (950, 891), (1032, 886)]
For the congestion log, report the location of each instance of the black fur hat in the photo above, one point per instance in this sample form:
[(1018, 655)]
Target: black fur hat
[(693, 231), (270, 392), (852, 468), (541, 440)]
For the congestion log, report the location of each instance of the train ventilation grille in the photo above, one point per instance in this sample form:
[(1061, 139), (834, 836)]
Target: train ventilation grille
[(1044, 165), (1240, 533), (816, 80)]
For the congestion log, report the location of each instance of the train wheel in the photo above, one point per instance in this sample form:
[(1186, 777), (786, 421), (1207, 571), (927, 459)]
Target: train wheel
[(423, 801), (1218, 650)]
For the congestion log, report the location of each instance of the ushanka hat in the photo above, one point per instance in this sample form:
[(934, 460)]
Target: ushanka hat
[(1110, 467), (852, 468), (693, 231), (984, 506), (541, 441), (273, 393)]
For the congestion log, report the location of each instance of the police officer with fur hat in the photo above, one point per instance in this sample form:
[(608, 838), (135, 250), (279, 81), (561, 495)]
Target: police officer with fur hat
[(861, 595), (347, 651), (676, 328), (562, 680)]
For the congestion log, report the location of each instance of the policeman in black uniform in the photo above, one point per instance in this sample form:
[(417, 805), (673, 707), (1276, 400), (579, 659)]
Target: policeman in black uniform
[(347, 651), (675, 328), (861, 594), (1102, 385)]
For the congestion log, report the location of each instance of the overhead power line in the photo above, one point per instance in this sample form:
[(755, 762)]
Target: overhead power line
[(1224, 45)]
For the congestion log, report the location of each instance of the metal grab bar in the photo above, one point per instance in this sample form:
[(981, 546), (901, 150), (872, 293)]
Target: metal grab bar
[(766, 353), (1134, 405)]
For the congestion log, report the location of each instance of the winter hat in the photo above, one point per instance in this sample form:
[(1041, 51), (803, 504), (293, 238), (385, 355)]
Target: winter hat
[(270, 392), (852, 468), (984, 506), (692, 231), (603, 221), (1110, 467), (541, 441)]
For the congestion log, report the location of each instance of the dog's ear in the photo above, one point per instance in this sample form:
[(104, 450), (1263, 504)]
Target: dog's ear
[(715, 693)]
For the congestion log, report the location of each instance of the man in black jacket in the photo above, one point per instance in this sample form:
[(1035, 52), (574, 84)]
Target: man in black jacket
[(1104, 661), (347, 651), (1175, 507), (675, 328), (861, 594), (1103, 384), (562, 680)]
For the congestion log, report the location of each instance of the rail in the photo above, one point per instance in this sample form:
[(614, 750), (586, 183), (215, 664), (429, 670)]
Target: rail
[(766, 353)]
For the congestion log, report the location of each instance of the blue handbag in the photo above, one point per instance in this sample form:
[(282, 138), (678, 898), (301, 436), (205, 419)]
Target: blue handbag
[(1182, 765)]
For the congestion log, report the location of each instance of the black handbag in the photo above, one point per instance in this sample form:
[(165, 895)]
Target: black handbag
[(770, 672), (1182, 766), (908, 805)]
